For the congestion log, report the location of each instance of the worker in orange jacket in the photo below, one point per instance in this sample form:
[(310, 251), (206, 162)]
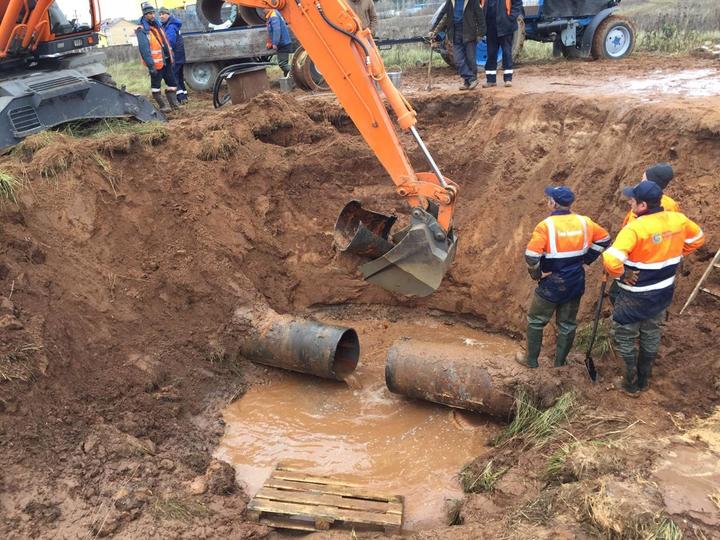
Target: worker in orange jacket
[(157, 55), (644, 257), (558, 248)]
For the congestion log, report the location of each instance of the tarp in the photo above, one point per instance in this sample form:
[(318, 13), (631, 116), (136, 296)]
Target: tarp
[(573, 8)]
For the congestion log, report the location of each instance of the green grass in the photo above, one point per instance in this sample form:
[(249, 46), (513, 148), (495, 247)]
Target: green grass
[(9, 186), (483, 481), (667, 530), (410, 55), (453, 508), (178, 509), (603, 340), (133, 75), (535, 427), (556, 462)]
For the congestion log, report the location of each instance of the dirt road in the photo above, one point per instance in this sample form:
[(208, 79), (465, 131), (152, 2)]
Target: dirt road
[(126, 253)]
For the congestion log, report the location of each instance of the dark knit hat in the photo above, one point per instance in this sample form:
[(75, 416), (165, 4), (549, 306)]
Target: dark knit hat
[(660, 173)]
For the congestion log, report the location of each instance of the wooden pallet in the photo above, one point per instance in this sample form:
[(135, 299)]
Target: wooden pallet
[(291, 499)]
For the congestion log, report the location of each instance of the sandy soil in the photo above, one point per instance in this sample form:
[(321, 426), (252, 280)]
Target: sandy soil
[(125, 256)]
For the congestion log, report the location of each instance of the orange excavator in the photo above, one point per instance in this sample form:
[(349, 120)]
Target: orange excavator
[(414, 260), (48, 73)]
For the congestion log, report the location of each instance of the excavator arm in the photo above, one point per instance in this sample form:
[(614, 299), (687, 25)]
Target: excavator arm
[(414, 260)]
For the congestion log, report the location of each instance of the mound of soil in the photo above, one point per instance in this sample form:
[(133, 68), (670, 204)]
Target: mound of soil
[(126, 254)]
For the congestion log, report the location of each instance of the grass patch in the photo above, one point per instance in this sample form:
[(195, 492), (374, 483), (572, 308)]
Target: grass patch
[(483, 481), (453, 508), (222, 360), (17, 364), (9, 186), (555, 464), (218, 145), (667, 530), (178, 509), (603, 340), (133, 75), (535, 427)]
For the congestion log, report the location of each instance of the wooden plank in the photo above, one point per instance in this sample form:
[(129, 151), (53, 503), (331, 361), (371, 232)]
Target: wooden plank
[(323, 499), (324, 512), (288, 480), (282, 522), (308, 478), (711, 292)]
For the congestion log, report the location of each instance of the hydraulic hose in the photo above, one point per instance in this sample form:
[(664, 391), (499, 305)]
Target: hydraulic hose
[(217, 102), (344, 32)]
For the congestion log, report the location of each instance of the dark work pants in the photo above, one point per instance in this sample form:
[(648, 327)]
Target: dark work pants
[(638, 363), (494, 43), (283, 58), (165, 74), (180, 78), (539, 314), (464, 55)]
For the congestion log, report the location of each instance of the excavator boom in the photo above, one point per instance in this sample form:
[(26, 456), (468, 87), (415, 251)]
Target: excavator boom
[(413, 261)]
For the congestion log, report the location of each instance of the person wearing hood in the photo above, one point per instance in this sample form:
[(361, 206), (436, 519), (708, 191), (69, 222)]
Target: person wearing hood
[(172, 26), (157, 55)]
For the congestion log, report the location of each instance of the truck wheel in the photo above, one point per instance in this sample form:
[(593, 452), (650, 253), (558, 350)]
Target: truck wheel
[(614, 39), (201, 76), (446, 53)]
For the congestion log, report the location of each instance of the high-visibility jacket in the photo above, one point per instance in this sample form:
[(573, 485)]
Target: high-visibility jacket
[(653, 245), (666, 202), (560, 244), (153, 44)]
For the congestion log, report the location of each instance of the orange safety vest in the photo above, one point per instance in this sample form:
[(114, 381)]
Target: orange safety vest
[(157, 38), (508, 5), (653, 244), (566, 236), (666, 202)]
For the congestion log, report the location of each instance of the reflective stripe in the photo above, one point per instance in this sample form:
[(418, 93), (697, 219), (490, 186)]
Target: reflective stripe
[(585, 236), (507, 71), (530, 253), (603, 239), (566, 254), (490, 72), (615, 252), (595, 247), (551, 235), (654, 265), (654, 287), (694, 238)]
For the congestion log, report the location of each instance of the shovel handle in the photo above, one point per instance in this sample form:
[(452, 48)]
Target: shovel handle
[(598, 311)]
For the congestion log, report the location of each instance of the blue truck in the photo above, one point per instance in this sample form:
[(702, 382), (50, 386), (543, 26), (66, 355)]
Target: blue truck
[(576, 28)]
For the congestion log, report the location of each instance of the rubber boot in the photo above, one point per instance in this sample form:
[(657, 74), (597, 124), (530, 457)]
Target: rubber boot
[(172, 99), (644, 370), (534, 344), (564, 344), (161, 102), (630, 383)]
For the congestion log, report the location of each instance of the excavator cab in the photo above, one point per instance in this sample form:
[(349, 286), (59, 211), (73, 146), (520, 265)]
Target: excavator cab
[(412, 262)]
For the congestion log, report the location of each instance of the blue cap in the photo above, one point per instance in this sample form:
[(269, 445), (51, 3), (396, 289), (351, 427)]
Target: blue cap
[(644, 192), (562, 195)]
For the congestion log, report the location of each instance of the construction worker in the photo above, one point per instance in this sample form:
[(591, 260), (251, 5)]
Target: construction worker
[(558, 248), (661, 174), (172, 25), (501, 17), (644, 257), (279, 39), (157, 55), (464, 23), (365, 10)]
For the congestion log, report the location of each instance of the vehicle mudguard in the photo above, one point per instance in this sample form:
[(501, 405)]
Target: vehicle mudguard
[(589, 32)]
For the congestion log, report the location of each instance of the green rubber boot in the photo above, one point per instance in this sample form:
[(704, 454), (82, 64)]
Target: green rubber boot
[(630, 383), (534, 343), (644, 369), (564, 345)]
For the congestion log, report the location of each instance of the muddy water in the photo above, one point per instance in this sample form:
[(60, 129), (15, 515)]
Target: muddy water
[(361, 432)]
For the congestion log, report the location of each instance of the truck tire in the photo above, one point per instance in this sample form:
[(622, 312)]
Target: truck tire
[(446, 52), (105, 78), (614, 39), (200, 76)]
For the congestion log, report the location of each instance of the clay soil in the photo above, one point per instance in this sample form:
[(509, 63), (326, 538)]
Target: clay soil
[(126, 255)]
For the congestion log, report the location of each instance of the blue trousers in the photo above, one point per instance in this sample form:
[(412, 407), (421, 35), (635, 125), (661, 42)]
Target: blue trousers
[(495, 43), (464, 55), (180, 78)]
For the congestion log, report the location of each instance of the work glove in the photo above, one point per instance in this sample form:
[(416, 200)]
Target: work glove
[(269, 45), (630, 277)]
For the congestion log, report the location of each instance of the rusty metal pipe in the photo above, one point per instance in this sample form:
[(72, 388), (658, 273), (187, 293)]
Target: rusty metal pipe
[(455, 375), (315, 348)]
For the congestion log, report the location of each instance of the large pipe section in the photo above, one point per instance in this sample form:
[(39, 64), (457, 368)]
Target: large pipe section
[(462, 376), (315, 348)]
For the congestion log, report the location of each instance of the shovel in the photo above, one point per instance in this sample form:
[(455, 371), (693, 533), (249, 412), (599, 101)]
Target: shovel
[(589, 364)]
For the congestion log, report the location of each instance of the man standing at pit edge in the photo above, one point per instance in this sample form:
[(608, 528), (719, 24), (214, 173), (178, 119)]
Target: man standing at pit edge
[(646, 254), (278, 39), (365, 10), (501, 17), (157, 55), (464, 22), (558, 248), (172, 27)]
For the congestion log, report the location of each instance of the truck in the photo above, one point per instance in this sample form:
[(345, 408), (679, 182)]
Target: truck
[(576, 28)]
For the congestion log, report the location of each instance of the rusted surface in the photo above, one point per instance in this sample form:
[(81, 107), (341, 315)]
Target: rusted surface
[(464, 377), (311, 347), (363, 232)]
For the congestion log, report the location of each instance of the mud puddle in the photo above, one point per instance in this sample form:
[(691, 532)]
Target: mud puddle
[(361, 432)]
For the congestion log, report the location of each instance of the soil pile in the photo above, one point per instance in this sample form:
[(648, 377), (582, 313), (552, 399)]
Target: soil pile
[(126, 255)]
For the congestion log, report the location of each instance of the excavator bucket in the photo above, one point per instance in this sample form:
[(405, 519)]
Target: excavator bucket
[(412, 263)]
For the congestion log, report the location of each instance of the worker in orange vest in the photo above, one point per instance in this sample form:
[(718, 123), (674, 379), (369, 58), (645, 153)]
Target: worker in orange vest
[(559, 247), (644, 259), (501, 18), (157, 55)]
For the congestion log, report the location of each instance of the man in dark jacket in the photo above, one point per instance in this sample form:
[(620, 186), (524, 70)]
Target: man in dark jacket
[(464, 22), (157, 55), (501, 17), (172, 26), (278, 39)]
